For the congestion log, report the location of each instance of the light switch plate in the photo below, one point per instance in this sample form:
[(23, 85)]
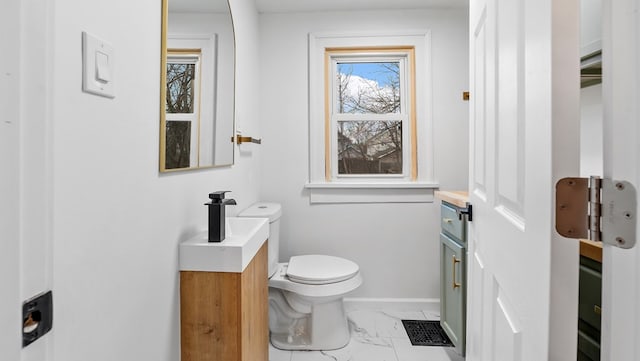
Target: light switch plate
[(98, 63)]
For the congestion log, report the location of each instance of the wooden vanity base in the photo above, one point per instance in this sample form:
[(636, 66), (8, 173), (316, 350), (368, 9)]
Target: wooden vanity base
[(224, 315)]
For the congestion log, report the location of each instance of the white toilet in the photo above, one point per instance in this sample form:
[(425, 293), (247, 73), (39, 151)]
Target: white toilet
[(306, 311)]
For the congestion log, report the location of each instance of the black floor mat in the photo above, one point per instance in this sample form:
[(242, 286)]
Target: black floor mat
[(426, 333)]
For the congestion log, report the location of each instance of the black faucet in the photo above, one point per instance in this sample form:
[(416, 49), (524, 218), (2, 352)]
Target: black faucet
[(217, 215)]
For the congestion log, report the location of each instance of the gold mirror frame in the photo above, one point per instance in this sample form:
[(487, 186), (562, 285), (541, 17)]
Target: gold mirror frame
[(223, 137)]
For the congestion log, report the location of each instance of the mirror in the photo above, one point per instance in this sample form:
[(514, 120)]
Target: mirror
[(197, 85)]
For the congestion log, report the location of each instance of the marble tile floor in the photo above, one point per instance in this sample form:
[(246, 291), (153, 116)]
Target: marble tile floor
[(376, 335)]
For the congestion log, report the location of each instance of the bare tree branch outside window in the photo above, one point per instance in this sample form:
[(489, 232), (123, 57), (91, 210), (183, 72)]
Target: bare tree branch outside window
[(369, 146), (178, 147), (180, 90)]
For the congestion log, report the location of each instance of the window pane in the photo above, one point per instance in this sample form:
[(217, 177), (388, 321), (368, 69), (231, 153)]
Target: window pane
[(368, 88), (369, 147), (178, 147), (180, 87)]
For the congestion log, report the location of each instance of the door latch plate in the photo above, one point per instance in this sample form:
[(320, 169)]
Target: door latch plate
[(37, 317)]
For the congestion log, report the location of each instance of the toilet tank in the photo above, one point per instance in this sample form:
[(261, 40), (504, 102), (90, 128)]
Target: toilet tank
[(273, 211)]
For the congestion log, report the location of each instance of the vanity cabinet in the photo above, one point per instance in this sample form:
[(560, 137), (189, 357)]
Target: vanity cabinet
[(453, 285), (224, 315), (589, 301)]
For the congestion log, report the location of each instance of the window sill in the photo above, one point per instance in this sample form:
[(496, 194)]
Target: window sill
[(409, 192)]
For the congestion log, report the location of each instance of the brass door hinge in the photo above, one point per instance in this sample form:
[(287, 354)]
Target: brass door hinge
[(465, 96), (597, 209)]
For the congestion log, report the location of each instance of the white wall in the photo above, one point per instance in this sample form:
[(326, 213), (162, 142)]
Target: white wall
[(117, 222), (591, 131), (396, 245)]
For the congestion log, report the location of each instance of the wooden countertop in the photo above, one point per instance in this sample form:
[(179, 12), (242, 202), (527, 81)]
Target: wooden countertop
[(457, 198), (591, 249)]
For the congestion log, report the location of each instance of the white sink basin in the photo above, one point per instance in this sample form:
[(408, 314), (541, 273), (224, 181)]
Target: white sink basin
[(244, 238)]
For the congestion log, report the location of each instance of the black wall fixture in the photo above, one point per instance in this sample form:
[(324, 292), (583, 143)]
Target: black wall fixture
[(37, 317)]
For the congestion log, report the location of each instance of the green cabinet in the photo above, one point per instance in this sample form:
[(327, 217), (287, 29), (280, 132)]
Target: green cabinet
[(589, 303), (453, 285)]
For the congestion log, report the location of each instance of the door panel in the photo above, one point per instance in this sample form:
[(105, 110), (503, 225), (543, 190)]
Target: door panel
[(515, 104), (506, 333), (452, 310), (478, 137), (509, 121)]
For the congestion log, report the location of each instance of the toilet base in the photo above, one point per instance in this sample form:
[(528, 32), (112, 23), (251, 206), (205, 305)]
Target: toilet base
[(324, 328)]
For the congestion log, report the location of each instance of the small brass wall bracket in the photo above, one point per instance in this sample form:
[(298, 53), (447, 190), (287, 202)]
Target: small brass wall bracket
[(239, 140)]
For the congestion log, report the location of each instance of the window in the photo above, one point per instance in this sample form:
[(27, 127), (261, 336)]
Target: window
[(368, 132), (371, 104), (182, 109)]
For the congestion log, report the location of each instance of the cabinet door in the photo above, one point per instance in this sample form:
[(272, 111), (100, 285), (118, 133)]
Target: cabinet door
[(452, 290), (589, 304), (255, 308), (590, 295)]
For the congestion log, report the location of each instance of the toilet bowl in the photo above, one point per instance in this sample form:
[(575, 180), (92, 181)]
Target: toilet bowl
[(306, 310)]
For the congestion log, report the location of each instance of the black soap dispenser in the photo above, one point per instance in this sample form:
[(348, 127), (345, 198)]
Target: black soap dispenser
[(217, 215)]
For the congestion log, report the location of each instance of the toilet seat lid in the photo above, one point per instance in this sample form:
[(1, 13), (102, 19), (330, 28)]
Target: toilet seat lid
[(320, 269)]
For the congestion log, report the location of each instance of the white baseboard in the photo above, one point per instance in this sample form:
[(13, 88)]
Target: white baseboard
[(396, 304)]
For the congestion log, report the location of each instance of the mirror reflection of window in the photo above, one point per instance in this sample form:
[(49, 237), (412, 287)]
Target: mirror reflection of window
[(180, 87), (204, 87), (182, 110), (178, 145)]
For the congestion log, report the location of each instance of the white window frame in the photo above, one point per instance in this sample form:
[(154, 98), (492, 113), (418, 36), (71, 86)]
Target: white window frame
[(412, 188)]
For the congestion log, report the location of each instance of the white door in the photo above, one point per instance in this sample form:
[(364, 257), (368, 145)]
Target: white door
[(524, 97), (620, 86), (26, 176), (10, 337)]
